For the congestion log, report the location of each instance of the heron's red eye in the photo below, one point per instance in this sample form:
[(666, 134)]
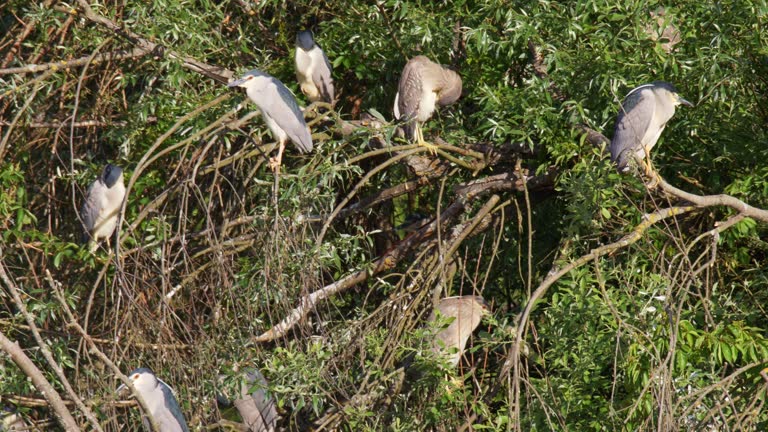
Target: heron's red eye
[(135, 376)]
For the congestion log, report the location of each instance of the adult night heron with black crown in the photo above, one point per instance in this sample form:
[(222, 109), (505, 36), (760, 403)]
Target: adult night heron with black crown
[(102, 205), (642, 117), (280, 112), (313, 70), (160, 401)]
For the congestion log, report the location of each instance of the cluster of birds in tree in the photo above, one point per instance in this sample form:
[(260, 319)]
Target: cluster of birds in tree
[(423, 86)]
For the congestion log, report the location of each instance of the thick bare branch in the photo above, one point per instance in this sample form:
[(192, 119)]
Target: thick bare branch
[(42, 385), (385, 262), (67, 64), (465, 194), (14, 290), (715, 200)]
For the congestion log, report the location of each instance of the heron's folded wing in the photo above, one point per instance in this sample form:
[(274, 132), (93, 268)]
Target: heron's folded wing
[(279, 103)]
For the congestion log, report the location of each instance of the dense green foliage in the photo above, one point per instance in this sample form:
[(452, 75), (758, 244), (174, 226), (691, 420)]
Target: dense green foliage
[(666, 333)]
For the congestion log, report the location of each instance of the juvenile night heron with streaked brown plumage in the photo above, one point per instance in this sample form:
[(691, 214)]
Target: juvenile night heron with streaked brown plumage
[(467, 312), (423, 86), (642, 117)]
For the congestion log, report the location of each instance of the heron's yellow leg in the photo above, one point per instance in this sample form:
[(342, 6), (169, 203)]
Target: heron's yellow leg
[(274, 162), (420, 140)]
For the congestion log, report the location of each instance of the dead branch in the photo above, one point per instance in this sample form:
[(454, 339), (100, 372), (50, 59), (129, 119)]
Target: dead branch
[(385, 262), (702, 201), (95, 350), (79, 124), (60, 410), (67, 64), (464, 194), (13, 289), (34, 402)]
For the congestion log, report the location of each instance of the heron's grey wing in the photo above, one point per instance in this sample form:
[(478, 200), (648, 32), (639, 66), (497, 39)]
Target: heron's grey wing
[(279, 103), (257, 409), (634, 117), (323, 79), (409, 91), (257, 418), (172, 409), (91, 208)]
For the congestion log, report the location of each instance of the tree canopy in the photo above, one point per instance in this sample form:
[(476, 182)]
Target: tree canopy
[(617, 302)]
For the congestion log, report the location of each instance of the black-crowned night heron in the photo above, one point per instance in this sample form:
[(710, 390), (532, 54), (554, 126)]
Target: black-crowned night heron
[(101, 206), (256, 407), (467, 312), (423, 85), (160, 400), (279, 109), (642, 117), (313, 70)]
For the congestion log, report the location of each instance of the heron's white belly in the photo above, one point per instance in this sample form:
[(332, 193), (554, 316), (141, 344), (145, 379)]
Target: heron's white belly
[(277, 132), (426, 106), (649, 140), (304, 70), (106, 221)]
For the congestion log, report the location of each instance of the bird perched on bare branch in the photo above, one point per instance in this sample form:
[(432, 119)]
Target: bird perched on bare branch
[(642, 117), (102, 205), (313, 70), (423, 86), (279, 109), (467, 312)]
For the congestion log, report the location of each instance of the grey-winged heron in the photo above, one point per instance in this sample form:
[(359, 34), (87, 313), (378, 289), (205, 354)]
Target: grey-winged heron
[(101, 206), (467, 312), (160, 400), (255, 405), (423, 86), (313, 70), (279, 109), (642, 117)]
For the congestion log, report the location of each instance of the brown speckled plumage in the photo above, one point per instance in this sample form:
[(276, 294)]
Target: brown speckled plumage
[(423, 85)]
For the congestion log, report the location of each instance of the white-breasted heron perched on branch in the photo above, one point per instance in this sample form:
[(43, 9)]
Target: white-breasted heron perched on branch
[(642, 117), (160, 400), (313, 70), (423, 86), (279, 109), (467, 312), (101, 206)]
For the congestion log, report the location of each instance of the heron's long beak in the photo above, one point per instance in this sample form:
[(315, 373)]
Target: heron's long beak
[(685, 102), (121, 389), (236, 83)]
